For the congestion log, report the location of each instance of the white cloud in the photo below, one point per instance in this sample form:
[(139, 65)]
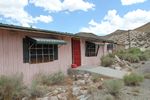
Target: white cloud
[(45, 19), (73, 5), (65, 5), (14, 10), (48, 5), (130, 2), (112, 21)]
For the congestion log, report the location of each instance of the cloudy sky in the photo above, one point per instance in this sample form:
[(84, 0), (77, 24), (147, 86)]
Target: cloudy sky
[(98, 16)]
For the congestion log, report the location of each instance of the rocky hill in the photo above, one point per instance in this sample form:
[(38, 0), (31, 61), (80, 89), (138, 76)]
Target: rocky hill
[(139, 37)]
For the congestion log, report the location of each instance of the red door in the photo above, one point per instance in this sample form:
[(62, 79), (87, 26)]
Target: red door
[(76, 52)]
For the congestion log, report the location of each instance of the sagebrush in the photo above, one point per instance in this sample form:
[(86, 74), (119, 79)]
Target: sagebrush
[(107, 61), (49, 79), (114, 86), (133, 79), (12, 87)]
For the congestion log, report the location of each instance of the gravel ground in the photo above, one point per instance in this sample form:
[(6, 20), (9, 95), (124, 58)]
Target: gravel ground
[(144, 88), (143, 68), (141, 92)]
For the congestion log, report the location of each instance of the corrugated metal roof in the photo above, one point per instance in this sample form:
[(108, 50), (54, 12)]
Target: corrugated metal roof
[(92, 37), (47, 41), (15, 27), (89, 36)]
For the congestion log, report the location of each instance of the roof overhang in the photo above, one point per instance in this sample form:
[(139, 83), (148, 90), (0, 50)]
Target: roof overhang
[(38, 40)]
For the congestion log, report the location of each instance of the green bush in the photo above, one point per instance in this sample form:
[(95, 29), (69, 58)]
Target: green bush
[(114, 86), (143, 57), (100, 96), (106, 61), (133, 55), (147, 52), (37, 90), (133, 79), (109, 97), (12, 87), (56, 78), (51, 79), (133, 58), (134, 50)]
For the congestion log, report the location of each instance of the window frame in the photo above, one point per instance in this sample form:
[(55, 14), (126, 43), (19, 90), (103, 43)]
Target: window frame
[(31, 49), (110, 46), (91, 49)]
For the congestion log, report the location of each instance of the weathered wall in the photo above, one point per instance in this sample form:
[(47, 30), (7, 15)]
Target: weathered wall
[(11, 56), (94, 60)]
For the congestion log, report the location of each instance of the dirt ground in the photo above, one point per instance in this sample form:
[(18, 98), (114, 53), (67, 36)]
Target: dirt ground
[(141, 92)]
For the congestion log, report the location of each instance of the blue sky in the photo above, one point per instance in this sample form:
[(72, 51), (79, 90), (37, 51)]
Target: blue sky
[(100, 17)]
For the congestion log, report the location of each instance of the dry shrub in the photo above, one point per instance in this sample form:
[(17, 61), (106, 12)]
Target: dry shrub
[(12, 87), (114, 86), (147, 75), (49, 79), (96, 78), (133, 79), (107, 61)]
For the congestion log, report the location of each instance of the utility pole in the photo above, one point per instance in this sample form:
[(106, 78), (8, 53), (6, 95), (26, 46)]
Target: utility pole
[(129, 38)]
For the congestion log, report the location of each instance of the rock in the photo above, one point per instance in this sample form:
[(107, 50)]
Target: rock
[(59, 89), (79, 76), (86, 75), (118, 68), (81, 97), (88, 81), (55, 92), (84, 92), (80, 82), (53, 98), (25, 98), (62, 96), (45, 98), (76, 90)]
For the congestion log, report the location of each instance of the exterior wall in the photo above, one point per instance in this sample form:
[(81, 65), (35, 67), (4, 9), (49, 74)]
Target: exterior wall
[(11, 56), (93, 61)]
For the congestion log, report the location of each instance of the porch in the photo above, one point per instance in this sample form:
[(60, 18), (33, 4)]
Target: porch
[(104, 71)]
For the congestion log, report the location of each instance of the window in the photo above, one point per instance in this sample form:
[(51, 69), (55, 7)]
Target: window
[(39, 53), (110, 46), (91, 49)]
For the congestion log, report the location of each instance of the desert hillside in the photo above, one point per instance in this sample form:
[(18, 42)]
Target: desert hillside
[(139, 37)]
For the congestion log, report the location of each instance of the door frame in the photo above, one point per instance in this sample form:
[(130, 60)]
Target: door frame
[(72, 39)]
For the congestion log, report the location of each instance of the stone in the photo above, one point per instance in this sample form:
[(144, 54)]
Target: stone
[(83, 97), (25, 98), (118, 68), (45, 98), (76, 90), (79, 76), (54, 98), (62, 96), (84, 92), (80, 82), (55, 92), (88, 81), (86, 75)]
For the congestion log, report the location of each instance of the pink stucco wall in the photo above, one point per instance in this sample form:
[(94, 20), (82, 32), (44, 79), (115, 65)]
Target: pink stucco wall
[(11, 56), (91, 61)]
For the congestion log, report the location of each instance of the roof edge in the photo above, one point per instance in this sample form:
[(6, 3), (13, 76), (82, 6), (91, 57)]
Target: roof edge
[(15, 27)]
